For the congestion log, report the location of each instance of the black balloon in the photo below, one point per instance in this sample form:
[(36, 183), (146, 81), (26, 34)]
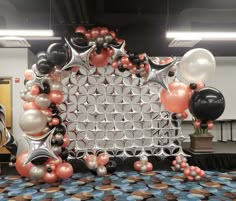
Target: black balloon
[(111, 166), (60, 129), (79, 39), (43, 66), (207, 104), (64, 154), (57, 54), (41, 55), (45, 88)]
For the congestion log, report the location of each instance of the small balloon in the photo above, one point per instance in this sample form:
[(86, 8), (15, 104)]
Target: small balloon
[(56, 96), (43, 66), (50, 177), (101, 171), (64, 170), (42, 101), (37, 172), (57, 54), (102, 159)]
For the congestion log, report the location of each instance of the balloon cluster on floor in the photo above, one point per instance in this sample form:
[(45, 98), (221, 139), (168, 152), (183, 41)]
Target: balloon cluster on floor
[(143, 165), (43, 128), (190, 172)]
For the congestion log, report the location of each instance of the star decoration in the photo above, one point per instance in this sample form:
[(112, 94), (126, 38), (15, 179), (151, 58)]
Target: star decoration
[(156, 66), (119, 50), (40, 147), (78, 59), (10, 143), (159, 76)]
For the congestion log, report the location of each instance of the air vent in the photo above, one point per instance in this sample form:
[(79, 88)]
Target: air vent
[(13, 42), (183, 42)]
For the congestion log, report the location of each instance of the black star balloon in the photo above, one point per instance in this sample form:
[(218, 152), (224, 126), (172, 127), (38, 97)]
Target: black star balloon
[(78, 59), (40, 147), (119, 50)]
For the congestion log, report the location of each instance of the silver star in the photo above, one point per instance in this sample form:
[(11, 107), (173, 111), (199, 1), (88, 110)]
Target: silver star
[(119, 50), (40, 147), (159, 76), (78, 59)]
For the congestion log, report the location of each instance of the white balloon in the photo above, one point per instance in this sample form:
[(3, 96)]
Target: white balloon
[(197, 65), (32, 121)]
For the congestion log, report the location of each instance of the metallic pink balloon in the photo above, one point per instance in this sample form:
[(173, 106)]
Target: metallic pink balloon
[(50, 177), (66, 140), (137, 165), (56, 96), (102, 159), (64, 170), (177, 99)]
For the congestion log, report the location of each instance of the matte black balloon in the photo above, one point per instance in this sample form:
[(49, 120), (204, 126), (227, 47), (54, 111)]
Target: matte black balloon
[(39, 161), (60, 142), (193, 86), (41, 55), (64, 154), (43, 66), (57, 54), (111, 166), (171, 73), (203, 125), (207, 104), (79, 39), (60, 129), (45, 88)]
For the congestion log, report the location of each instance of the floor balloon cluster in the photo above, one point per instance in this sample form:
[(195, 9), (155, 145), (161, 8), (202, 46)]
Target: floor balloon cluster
[(43, 128)]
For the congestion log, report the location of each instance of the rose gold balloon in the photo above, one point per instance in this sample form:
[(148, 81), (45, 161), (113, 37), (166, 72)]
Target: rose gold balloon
[(46, 112), (197, 123), (35, 90), (30, 105), (102, 159), (64, 170), (66, 140), (137, 165), (177, 100), (210, 125), (22, 169), (174, 162), (190, 178), (80, 29), (90, 157), (55, 121), (200, 85), (103, 31), (28, 74), (149, 167), (99, 60), (50, 177), (52, 161), (56, 96)]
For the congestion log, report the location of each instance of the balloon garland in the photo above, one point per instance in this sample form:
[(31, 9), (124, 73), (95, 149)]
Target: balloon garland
[(43, 128)]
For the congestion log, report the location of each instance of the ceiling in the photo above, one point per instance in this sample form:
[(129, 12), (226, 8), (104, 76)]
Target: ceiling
[(142, 23)]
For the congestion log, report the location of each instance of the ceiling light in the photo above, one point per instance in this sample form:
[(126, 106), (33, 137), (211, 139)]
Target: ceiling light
[(17, 32), (202, 35)]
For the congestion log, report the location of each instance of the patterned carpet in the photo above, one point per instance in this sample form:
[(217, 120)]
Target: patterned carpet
[(153, 186)]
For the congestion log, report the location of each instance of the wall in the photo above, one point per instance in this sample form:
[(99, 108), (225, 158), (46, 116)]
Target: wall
[(13, 63)]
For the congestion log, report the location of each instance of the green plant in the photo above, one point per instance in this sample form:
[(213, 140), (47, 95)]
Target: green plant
[(198, 128)]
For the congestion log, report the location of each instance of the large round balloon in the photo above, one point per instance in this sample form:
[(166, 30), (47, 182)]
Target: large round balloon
[(33, 121), (207, 104), (177, 99), (57, 54), (197, 65)]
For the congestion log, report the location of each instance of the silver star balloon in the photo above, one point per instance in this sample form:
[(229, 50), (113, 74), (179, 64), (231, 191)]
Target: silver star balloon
[(78, 59), (159, 76), (40, 147), (10, 144), (119, 50)]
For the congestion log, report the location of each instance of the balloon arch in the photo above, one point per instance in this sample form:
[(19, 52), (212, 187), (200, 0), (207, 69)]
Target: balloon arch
[(90, 98)]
